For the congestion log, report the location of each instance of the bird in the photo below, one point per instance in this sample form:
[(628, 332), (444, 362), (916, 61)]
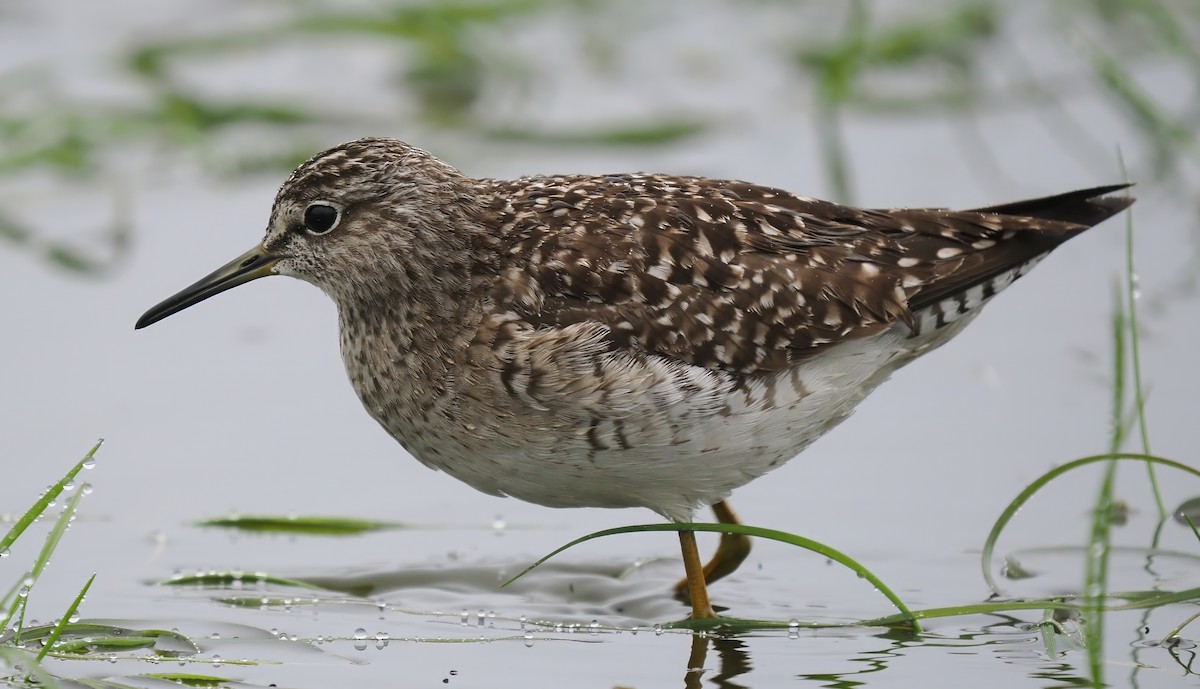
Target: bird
[(627, 340)]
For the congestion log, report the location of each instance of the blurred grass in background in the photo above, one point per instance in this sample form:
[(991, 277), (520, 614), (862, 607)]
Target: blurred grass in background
[(455, 66)]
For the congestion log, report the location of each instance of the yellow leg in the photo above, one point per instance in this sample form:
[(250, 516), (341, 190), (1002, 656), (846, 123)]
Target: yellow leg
[(697, 590), (732, 550)]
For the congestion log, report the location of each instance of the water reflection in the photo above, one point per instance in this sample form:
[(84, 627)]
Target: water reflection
[(733, 660)]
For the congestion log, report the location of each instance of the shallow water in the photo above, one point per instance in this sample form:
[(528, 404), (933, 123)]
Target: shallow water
[(240, 405)]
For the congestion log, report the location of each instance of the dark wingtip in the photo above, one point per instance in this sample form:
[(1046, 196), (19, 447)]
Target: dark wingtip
[(1083, 207)]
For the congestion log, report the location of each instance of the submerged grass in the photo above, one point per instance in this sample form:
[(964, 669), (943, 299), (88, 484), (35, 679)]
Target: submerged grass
[(223, 579), (23, 648), (15, 636), (308, 525), (17, 596)]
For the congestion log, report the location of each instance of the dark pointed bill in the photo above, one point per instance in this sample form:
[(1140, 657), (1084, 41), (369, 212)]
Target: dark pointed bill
[(253, 264)]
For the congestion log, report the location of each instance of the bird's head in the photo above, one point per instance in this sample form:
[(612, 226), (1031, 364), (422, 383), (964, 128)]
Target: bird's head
[(351, 220)]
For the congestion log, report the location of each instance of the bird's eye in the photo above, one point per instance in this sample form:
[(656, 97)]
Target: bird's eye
[(320, 218)]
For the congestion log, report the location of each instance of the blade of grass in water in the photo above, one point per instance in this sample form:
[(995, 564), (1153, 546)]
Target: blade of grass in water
[(189, 680), (66, 619), (1174, 633), (1050, 641), (1011, 509), (44, 501), (772, 534), (17, 607), (1192, 524), (1135, 356), (317, 526), (91, 639), (223, 579), (1096, 555)]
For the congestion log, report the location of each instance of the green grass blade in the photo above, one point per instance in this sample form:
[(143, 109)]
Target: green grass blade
[(56, 534), (1096, 555), (20, 613), (1134, 601), (66, 619), (92, 639), (311, 525), (1096, 567), (39, 565), (103, 644), (188, 679), (1195, 531), (759, 532), (225, 579), (1049, 639), (44, 501), (1116, 421), (1040, 482), (1135, 357), (1179, 628)]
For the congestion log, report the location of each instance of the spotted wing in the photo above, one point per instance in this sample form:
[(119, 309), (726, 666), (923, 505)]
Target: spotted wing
[(734, 276)]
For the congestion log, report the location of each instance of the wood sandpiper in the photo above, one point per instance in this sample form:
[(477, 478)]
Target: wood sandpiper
[(626, 340)]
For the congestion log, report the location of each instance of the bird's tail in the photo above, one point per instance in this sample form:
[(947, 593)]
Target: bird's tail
[(1086, 207)]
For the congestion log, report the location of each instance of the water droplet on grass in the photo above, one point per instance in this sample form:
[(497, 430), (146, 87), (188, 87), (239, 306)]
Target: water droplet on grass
[(1188, 509), (528, 639)]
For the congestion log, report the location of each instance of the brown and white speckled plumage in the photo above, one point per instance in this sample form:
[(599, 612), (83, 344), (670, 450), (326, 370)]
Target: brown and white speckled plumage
[(632, 340)]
